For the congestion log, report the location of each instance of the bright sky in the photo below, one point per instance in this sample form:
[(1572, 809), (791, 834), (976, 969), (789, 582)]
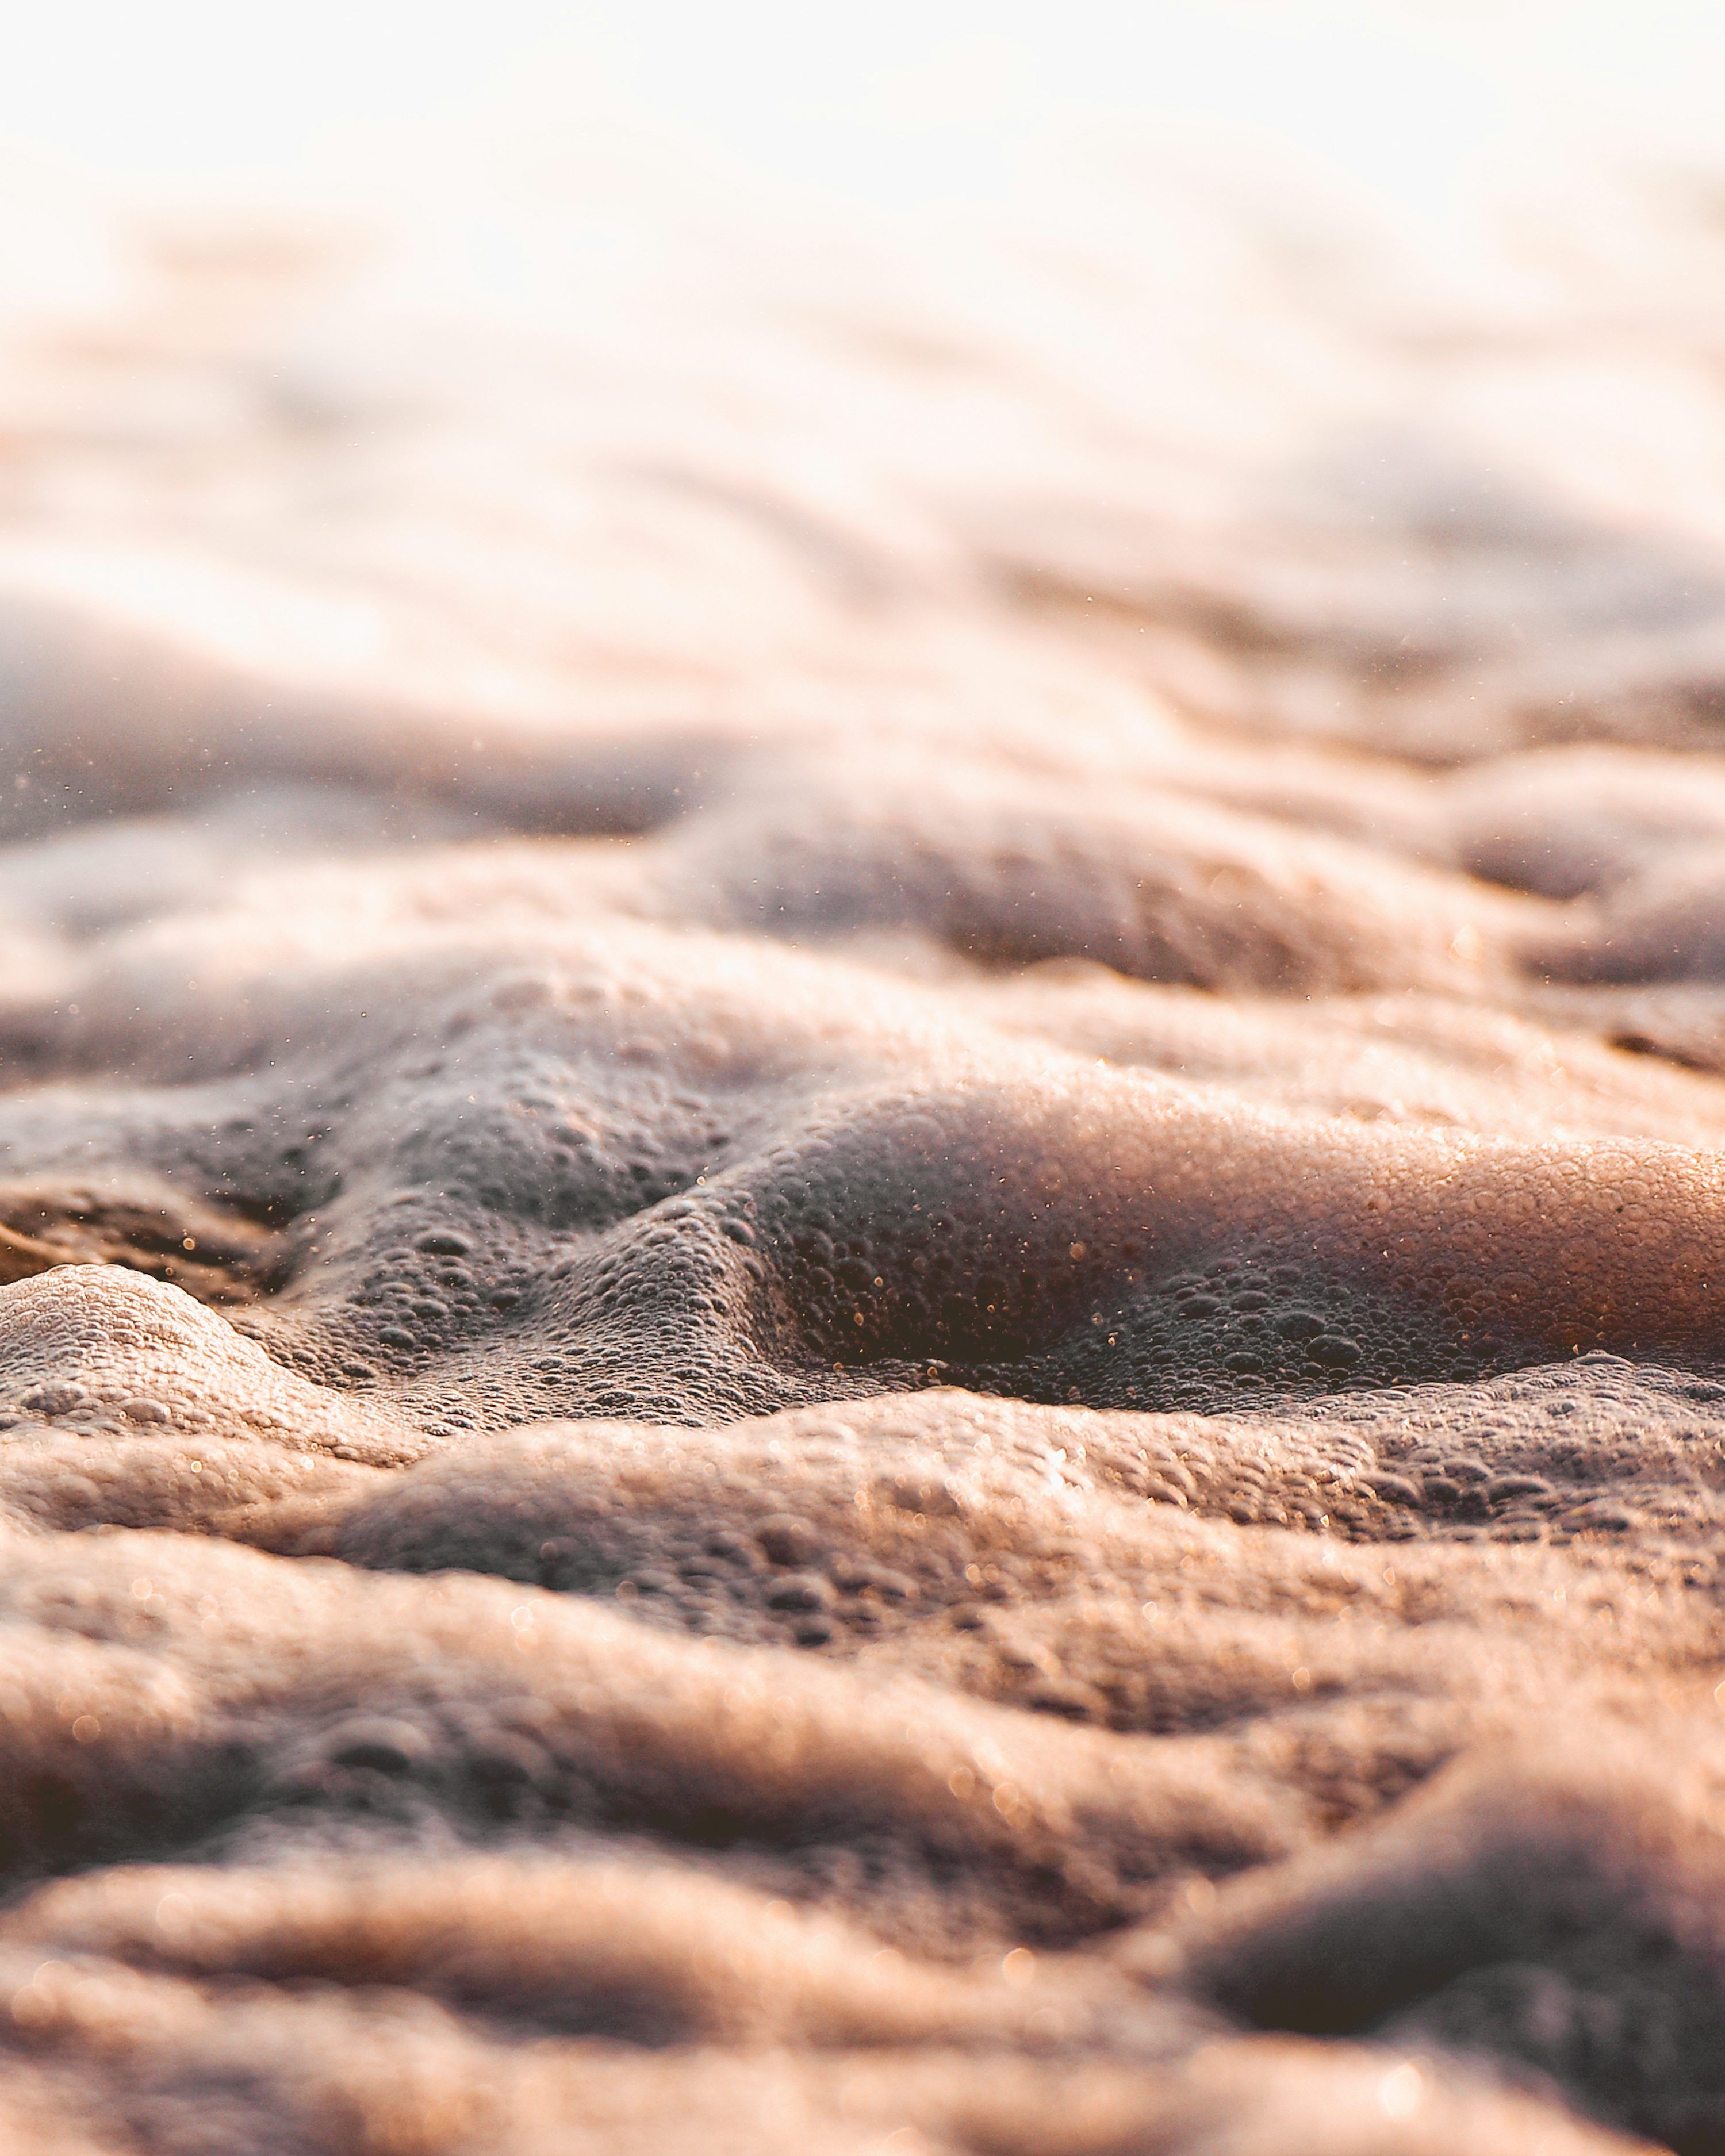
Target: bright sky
[(1413, 108)]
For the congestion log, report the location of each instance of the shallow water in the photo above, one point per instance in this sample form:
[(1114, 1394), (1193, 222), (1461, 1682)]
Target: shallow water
[(864, 1057)]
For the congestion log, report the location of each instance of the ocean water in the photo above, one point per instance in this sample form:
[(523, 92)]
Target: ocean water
[(863, 900)]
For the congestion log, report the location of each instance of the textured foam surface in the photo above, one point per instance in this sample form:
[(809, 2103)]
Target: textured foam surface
[(862, 1245)]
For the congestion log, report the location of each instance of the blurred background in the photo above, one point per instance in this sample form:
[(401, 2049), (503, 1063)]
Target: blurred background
[(1350, 371)]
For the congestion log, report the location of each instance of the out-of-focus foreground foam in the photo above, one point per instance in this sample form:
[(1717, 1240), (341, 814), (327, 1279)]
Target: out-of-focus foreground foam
[(860, 1209)]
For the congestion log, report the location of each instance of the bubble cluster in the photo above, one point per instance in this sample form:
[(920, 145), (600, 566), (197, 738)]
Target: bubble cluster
[(810, 1484)]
